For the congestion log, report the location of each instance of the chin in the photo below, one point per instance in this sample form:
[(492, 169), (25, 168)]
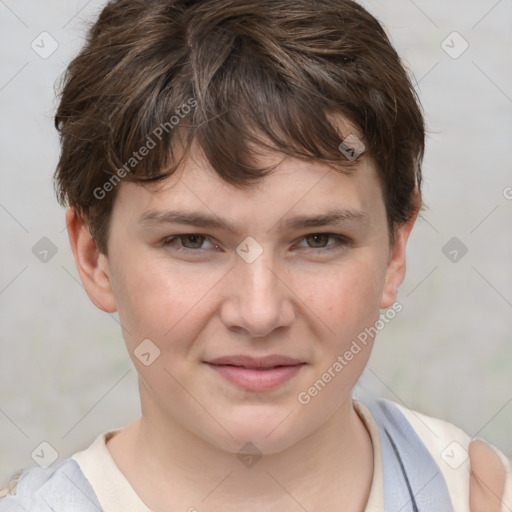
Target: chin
[(264, 430), (256, 443)]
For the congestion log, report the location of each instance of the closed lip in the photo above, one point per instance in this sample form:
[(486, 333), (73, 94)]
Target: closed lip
[(245, 361)]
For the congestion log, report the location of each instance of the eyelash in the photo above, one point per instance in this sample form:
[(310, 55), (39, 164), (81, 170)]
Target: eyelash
[(343, 242)]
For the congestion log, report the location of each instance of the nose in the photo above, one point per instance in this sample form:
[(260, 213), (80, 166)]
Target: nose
[(257, 300)]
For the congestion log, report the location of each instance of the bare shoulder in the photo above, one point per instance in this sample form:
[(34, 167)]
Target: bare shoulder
[(488, 478)]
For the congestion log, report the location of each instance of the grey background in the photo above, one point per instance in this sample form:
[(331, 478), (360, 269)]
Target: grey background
[(64, 373)]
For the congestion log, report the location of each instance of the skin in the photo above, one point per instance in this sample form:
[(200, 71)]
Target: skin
[(293, 300), (487, 482)]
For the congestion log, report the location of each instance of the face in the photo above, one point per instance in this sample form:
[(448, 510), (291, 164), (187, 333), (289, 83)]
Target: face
[(249, 297)]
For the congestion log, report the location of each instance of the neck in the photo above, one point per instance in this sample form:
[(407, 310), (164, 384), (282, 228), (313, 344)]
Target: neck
[(168, 465)]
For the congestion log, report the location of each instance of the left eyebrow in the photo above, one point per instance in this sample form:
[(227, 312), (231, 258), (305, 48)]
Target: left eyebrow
[(332, 217), (197, 219)]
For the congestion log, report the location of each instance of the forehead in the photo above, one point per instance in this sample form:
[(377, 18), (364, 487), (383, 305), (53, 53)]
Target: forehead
[(293, 186)]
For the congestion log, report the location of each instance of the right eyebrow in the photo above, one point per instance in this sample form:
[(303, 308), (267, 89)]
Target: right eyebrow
[(197, 219)]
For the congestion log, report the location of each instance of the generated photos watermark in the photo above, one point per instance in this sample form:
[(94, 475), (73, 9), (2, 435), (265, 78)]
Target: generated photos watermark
[(363, 338), (180, 113)]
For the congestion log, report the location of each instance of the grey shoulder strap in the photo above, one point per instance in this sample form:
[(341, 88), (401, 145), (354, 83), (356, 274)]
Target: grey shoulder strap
[(60, 488), (413, 481)]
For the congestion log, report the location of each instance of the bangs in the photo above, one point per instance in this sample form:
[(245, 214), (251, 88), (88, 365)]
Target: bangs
[(233, 107)]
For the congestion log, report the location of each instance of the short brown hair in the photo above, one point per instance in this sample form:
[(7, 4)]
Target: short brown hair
[(267, 73)]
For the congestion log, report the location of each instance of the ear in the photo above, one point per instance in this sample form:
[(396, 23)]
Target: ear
[(92, 265), (395, 271)]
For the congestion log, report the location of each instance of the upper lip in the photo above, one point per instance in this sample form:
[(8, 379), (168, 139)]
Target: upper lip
[(256, 362)]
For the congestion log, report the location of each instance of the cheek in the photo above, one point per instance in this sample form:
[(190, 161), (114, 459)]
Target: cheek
[(161, 302), (168, 302), (346, 298)]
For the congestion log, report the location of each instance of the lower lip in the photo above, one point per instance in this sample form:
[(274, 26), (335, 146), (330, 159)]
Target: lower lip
[(256, 379)]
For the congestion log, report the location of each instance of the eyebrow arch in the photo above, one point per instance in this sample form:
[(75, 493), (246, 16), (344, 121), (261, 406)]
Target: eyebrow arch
[(331, 217)]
